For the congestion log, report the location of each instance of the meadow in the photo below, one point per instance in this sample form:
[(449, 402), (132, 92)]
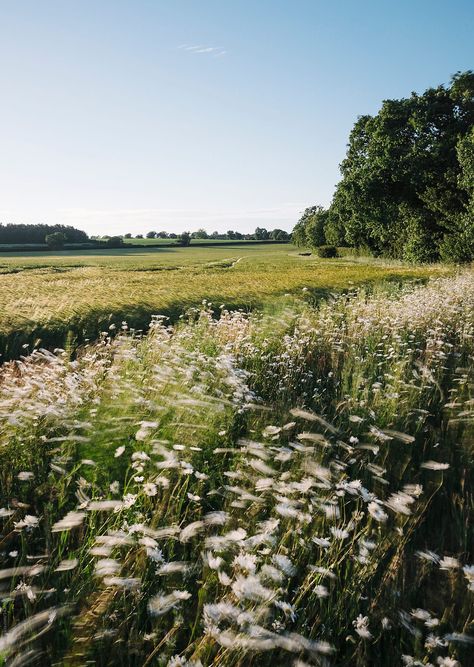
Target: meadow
[(287, 486), (61, 299)]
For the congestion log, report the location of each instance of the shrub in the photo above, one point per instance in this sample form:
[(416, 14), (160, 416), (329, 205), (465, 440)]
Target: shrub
[(326, 251)]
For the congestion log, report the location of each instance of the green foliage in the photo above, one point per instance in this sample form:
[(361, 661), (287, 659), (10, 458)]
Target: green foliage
[(23, 234), (114, 241), (407, 179), (310, 231), (458, 248), (326, 251), (279, 235), (55, 241), (261, 234), (334, 229), (184, 239), (200, 234)]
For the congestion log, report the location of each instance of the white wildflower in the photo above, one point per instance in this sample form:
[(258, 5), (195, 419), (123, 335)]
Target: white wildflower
[(29, 522), (377, 512), (361, 626)]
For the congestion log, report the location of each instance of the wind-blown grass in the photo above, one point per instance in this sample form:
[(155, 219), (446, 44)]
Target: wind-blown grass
[(64, 299), (290, 487)]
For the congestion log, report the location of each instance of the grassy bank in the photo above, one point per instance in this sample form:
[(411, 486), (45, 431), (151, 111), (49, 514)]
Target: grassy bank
[(283, 488)]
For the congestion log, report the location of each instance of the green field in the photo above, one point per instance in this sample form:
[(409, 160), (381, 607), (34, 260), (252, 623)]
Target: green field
[(54, 299)]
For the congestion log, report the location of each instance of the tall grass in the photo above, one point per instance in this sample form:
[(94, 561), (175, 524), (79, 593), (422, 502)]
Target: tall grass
[(289, 488)]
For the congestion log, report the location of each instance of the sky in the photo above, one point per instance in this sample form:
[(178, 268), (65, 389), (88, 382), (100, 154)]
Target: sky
[(134, 115)]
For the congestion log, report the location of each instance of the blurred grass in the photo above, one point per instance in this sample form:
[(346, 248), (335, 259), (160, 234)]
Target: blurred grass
[(382, 382)]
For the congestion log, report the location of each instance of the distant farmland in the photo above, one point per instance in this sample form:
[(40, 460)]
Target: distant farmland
[(58, 298)]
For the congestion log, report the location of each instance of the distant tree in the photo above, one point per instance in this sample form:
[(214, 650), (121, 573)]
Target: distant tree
[(151, 235), (215, 235), (162, 235), (230, 235), (172, 235), (127, 236), (114, 242), (261, 234), (279, 235), (184, 239), (55, 241), (139, 236), (20, 233), (200, 234)]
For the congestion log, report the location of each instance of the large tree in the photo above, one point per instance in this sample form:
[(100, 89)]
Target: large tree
[(401, 192)]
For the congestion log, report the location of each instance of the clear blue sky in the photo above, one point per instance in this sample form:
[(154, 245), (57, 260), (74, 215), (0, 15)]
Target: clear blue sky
[(130, 115)]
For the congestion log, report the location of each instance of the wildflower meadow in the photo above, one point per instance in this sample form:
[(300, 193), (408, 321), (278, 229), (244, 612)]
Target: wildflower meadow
[(291, 486)]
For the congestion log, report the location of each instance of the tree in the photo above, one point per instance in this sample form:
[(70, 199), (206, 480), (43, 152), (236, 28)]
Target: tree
[(127, 236), (139, 236), (20, 233), (310, 230), (114, 241), (200, 234), (316, 227), (151, 235), (55, 241), (184, 239), (459, 245), (279, 235), (298, 235), (261, 234), (400, 192)]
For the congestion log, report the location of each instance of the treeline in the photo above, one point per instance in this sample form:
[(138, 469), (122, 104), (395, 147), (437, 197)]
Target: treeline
[(26, 234), (260, 234), (407, 186)]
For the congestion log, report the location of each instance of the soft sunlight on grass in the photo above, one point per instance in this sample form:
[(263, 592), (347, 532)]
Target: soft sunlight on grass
[(52, 298)]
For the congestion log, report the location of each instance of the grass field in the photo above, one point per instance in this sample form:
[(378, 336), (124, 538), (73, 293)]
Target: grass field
[(288, 487), (54, 299)]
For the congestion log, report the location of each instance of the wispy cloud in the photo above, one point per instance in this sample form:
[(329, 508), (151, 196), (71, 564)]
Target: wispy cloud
[(215, 51)]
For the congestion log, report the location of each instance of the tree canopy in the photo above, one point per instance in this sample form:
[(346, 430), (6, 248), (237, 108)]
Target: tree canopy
[(21, 233), (407, 180)]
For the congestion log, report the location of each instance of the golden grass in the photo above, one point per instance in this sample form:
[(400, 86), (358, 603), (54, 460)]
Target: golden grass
[(45, 293)]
